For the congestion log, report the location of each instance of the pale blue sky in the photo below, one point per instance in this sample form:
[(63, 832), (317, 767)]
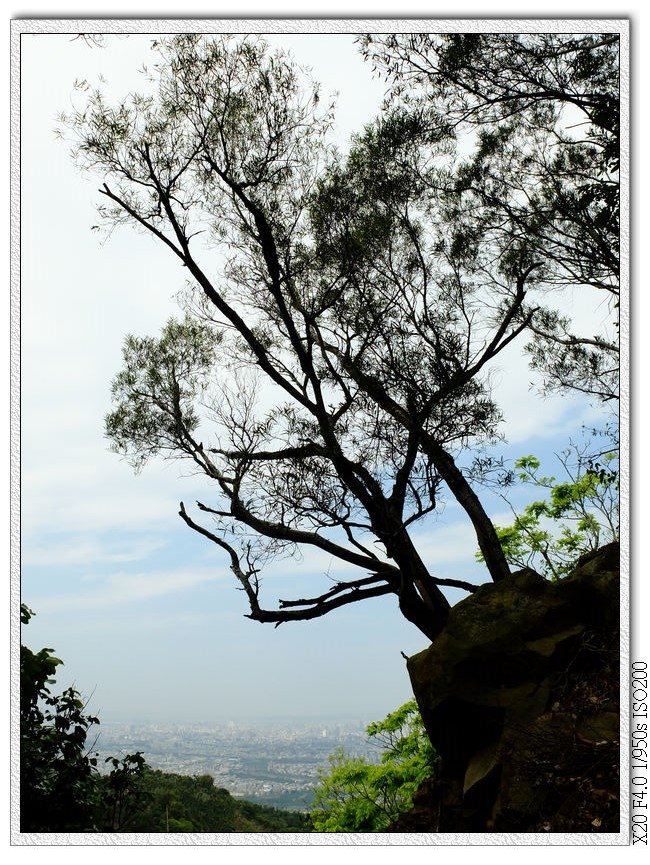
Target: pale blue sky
[(144, 612)]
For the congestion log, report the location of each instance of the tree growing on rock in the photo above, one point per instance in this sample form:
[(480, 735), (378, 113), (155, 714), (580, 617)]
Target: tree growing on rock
[(340, 290)]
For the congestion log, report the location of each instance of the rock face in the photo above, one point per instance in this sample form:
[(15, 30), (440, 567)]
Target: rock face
[(519, 695)]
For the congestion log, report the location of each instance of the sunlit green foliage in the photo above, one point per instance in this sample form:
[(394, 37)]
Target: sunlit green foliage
[(578, 515), (358, 796)]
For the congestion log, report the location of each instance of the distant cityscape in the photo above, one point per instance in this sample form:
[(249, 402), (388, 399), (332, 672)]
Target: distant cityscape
[(273, 764)]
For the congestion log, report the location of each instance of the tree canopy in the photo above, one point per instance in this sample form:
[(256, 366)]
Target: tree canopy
[(543, 179), (331, 373)]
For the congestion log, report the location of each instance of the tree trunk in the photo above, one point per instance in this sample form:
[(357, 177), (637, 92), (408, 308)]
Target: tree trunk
[(486, 535), (420, 600)]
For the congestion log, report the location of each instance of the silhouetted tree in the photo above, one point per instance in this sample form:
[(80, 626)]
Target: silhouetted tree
[(543, 178), (343, 289), (57, 781)]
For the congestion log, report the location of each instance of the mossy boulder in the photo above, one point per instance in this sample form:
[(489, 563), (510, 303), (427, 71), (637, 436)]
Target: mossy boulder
[(522, 686)]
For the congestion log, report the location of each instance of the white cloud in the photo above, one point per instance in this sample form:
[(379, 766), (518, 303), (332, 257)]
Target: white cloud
[(93, 490), (124, 587), (446, 544), (83, 550), (526, 413)]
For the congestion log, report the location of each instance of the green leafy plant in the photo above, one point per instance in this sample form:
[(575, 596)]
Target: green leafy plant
[(57, 771), (578, 515), (122, 791), (61, 789), (179, 803), (356, 795)]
